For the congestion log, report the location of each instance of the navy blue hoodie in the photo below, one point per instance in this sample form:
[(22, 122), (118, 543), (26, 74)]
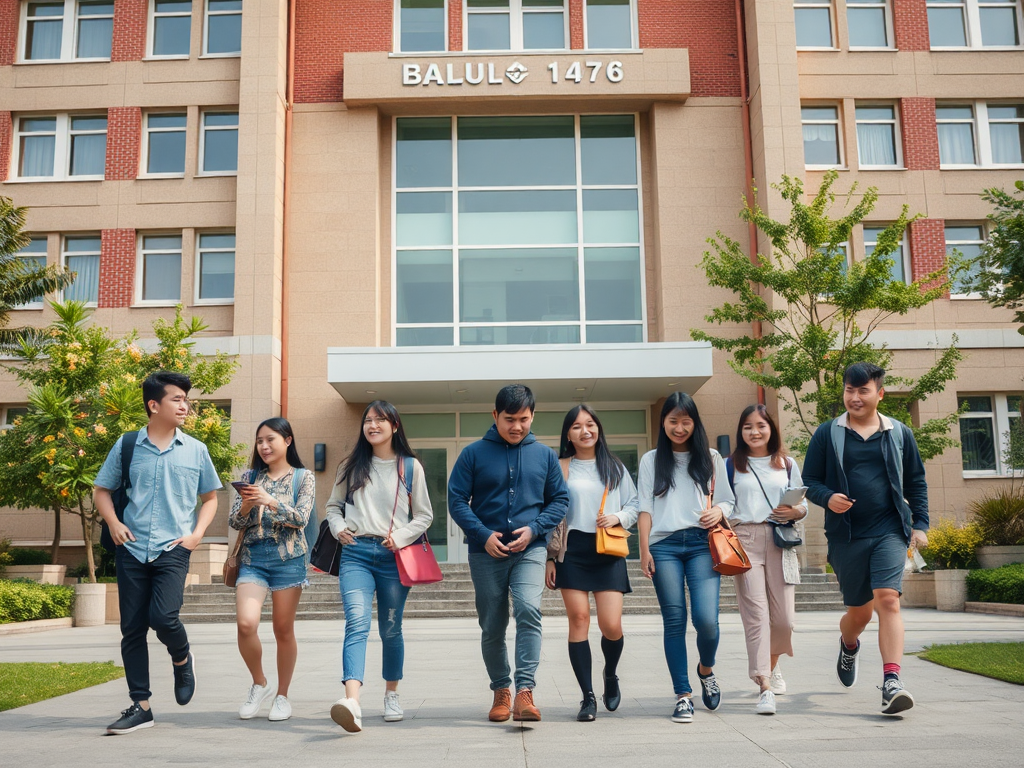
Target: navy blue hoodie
[(497, 487)]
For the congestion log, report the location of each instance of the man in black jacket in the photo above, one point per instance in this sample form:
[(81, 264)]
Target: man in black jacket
[(866, 471)]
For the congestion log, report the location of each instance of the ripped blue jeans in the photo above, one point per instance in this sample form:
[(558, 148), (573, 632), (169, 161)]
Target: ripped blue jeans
[(368, 566)]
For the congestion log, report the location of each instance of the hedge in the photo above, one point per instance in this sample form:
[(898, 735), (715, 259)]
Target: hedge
[(997, 585), (24, 556), (28, 601)]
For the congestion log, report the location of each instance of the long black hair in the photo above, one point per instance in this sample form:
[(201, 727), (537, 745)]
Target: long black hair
[(355, 468), (609, 466), (284, 429), (701, 467), (776, 449)]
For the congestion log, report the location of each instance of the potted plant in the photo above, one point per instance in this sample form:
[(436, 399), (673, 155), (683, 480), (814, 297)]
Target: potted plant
[(1000, 518), (951, 553)]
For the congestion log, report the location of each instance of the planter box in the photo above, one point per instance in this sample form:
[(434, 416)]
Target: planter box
[(207, 561), (44, 574), (993, 557), (918, 590), (951, 589), (39, 625), (113, 614), (996, 609), (90, 605)]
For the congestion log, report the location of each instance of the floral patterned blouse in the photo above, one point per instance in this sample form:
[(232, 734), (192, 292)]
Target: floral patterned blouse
[(283, 526)]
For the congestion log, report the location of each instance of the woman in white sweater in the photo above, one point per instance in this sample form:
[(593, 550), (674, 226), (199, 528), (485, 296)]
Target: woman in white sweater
[(683, 492), (375, 510)]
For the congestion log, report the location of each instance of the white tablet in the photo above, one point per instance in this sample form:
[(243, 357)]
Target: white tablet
[(793, 496)]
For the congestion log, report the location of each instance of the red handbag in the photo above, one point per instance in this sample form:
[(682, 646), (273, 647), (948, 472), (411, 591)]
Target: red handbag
[(416, 562), (727, 554)]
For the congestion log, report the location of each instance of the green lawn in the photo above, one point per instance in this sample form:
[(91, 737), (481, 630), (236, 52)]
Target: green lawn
[(1003, 661), (27, 683)]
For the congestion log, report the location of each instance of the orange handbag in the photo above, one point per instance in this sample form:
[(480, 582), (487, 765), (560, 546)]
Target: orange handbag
[(727, 554), (611, 541)]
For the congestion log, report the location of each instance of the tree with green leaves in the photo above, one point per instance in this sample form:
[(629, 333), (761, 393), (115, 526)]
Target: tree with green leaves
[(817, 312), (84, 391), (21, 281), (998, 271)]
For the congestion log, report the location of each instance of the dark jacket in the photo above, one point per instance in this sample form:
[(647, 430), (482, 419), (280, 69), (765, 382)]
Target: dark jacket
[(823, 474), (497, 487)]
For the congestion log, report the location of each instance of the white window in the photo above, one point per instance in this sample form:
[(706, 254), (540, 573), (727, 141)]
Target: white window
[(822, 145), (81, 255), (878, 136), (67, 30), (900, 266), (422, 25), (33, 256), (967, 240), (813, 24), (164, 146), (974, 23), (609, 24), (218, 148), (222, 35), (215, 268), (170, 28), (61, 147), (516, 25), (985, 429), (987, 134), (870, 24), (8, 413), (158, 273)]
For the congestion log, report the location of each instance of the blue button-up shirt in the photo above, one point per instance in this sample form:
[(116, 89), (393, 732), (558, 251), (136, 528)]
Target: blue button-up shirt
[(165, 484)]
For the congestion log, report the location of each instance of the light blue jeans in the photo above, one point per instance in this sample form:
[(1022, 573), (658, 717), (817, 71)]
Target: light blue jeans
[(683, 559), (367, 566), (522, 575)]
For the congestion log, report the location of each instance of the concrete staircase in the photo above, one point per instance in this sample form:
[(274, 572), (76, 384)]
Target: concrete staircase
[(454, 597)]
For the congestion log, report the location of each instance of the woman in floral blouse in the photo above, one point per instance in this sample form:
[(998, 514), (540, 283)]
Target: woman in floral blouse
[(271, 510)]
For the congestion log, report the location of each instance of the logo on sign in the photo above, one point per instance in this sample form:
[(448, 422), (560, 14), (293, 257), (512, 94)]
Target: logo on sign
[(517, 73)]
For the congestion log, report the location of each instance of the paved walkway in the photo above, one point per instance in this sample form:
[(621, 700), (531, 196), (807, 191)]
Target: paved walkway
[(960, 719)]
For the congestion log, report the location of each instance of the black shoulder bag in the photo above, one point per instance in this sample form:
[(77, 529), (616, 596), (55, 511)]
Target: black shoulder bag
[(326, 553), (784, 534)]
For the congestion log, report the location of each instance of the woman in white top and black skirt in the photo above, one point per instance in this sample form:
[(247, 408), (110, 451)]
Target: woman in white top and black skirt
[(601, 495)]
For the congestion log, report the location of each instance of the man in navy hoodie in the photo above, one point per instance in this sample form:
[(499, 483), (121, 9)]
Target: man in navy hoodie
[(507, 494)]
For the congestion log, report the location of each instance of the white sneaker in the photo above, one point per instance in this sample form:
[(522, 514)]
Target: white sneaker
[(281, 709), (254, 701), (778, 685), (348, 715), (766, 704), (392, 709)]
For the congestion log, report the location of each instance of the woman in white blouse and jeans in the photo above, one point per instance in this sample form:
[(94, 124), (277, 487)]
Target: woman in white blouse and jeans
[(761, 472)]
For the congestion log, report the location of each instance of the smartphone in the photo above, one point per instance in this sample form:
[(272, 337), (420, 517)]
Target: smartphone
[(239, 486)]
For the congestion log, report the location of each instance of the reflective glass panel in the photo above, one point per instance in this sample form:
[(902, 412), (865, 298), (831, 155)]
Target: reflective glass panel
[(867, 24), (161, 277), (821, 144), (166, 152), (224, 33), (217, 275), (220, 151), (516, 151), (424, 218), (612, 284), (614, 334), (489, 32), (88, 154), (519, 285), (425, 337), (520, 334), (610, 216), (422, 25), (609, 24), (543, 31), (530, 217), (1007, 142), (424, 151), (813, 28), (999, 26), (946, 27), (608, 149), (977, 445), (171, 34), (424, 286)]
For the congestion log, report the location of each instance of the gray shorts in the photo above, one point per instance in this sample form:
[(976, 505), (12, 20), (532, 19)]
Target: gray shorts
[(864, 565)]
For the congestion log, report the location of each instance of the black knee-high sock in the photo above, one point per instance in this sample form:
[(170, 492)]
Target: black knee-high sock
[(612, 650), (579, 657)]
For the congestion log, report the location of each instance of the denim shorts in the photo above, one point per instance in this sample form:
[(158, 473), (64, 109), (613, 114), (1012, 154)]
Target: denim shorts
[(864, 565), (268, 570)]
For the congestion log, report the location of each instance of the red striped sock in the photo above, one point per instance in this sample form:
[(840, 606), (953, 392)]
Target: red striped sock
[(893, 669)]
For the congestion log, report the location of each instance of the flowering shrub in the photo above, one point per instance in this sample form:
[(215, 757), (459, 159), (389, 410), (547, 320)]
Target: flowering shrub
[(951, 546)]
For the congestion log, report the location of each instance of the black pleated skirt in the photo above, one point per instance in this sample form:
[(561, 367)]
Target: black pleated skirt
[(586, 570)]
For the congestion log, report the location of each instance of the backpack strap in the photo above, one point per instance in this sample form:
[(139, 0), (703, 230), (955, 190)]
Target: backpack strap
[(128, 441), (564, 463), (408, 465), (730, 471), (297, 476)]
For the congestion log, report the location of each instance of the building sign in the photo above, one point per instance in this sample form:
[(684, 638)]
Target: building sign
[(477, 73)]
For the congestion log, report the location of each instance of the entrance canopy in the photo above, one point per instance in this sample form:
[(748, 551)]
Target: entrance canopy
[(555, 373)]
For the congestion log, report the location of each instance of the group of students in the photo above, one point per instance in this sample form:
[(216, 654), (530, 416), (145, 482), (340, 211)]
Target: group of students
[(532, 519)]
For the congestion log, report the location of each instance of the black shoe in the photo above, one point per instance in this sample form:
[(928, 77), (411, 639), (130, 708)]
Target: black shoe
[(846, 665), (710, 693), (588, 708), (132, 719), (895, 698), (185, 680), (683, 713), (612, 695)]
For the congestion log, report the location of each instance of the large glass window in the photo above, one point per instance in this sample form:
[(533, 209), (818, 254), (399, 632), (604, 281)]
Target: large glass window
[(966, 240), (813, 23), (974, 23), (609, 24), (223, 35), (986, 429), (422, 26), (219, 143), (165, 144), (981, 134), (821, 136), (88, 33), (899, 256), (956, 134), (868, 23), (60, 147), (215, 267), (81, 255), (1006, 133), (159, 269), (876, 136), (33, 257), (171, 28), (517, 242), (44, 31), (515, 25)]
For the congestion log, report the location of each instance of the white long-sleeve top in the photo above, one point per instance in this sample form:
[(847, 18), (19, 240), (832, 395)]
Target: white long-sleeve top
[(369, 511), (585, 492), (751, 505), (685, 502)]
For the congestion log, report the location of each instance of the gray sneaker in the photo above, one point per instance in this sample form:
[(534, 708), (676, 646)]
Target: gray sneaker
[(895, 698), (683, 713), (846, 665)]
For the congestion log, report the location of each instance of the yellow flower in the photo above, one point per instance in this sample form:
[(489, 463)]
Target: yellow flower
[(50, 454), (60, 435), (64, 492), (79, 432), (128, 377), (181, 352), (41, 476), (71, 366), (100, 429), (48, 439)]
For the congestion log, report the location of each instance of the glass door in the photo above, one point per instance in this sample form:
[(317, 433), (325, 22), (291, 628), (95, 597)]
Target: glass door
[(446, 538)]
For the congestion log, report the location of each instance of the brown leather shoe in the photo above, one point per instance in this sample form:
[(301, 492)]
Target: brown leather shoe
[(501, 708), (524, 708)]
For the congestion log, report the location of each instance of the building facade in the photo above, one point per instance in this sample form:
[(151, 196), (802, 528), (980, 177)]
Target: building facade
[(421, 200)]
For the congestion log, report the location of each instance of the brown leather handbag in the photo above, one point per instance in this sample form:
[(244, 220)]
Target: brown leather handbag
[(727, 554), (234, 560)]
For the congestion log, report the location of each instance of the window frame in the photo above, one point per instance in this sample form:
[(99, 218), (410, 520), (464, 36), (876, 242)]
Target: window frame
[(840, 134), (151, 16), (200, 171), (61, 147), (833, 26), (897, 136), (144, 149), (955, 243), (1000, 417), (972, 26), (41, 304), (982, 133), (890, 32), (904, 249), (68, 40), (456, 324), (198, 264), (396, 43), (64, 253), (5, 414), (140, 266), (204, 53), (515, 12), (634, 30)]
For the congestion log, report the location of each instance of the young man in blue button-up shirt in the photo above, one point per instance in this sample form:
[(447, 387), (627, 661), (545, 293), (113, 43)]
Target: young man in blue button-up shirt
[(160, 529)]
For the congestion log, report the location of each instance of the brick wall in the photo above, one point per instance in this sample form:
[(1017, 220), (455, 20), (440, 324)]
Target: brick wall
[(576, 24), (910, 23), (454, 25), (129, 30), (5, 144), (927, 247), (9, 13), (920, 134), (324, 30), (117, 267), (124, 136), (707, 28)]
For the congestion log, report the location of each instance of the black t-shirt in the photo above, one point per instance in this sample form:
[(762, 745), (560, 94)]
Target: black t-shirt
[(874, 512)]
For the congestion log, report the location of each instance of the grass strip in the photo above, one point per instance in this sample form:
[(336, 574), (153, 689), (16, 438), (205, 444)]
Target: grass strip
[(29, 682), (1002, 661)]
